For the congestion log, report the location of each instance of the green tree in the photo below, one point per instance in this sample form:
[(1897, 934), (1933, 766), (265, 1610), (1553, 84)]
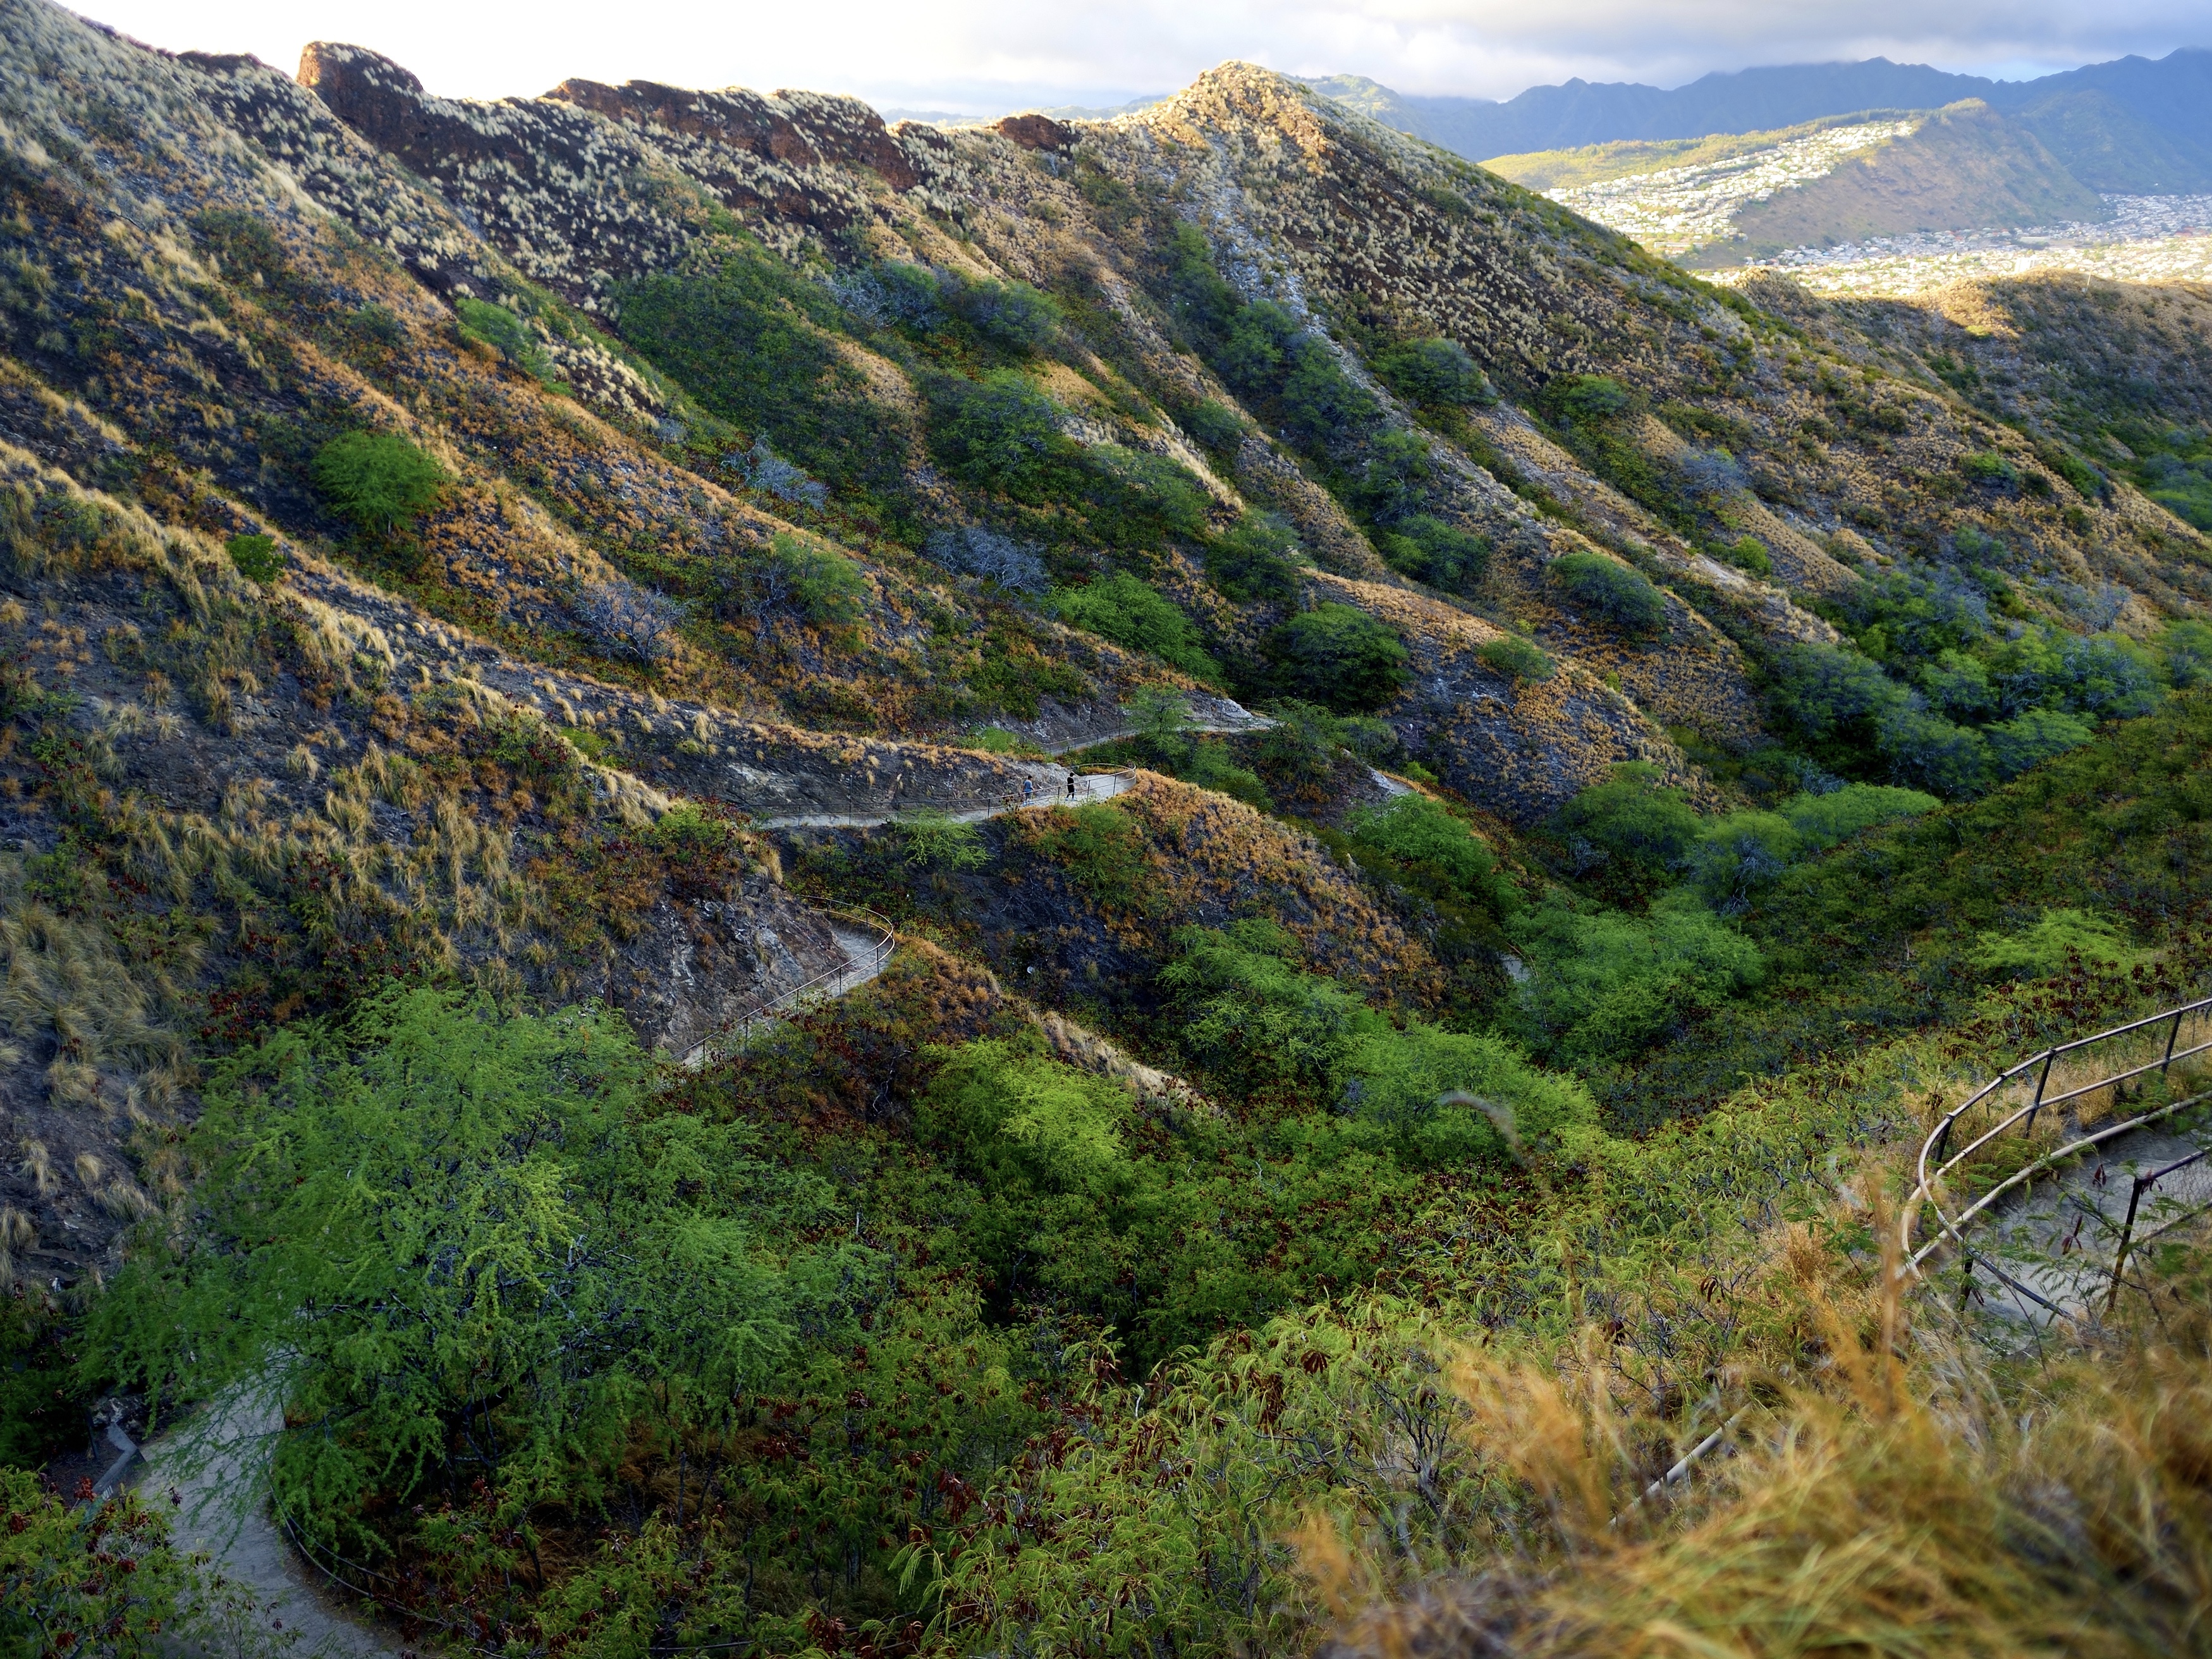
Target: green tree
[(1337, 657), (1130, 613), (1437, 373), (471, 1250), (1622, 596), (379, 480), (1603, 984)]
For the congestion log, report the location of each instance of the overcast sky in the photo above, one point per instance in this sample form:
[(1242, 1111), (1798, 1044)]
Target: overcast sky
[(985, 57)]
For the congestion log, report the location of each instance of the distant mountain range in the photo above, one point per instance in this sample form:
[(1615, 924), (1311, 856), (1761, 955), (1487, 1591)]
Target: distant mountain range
[(2134, 126)]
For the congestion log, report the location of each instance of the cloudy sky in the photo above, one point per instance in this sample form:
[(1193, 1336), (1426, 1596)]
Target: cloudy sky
[(984, 56)]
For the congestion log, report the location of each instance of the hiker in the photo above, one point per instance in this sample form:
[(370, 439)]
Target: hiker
[(1071, 785)]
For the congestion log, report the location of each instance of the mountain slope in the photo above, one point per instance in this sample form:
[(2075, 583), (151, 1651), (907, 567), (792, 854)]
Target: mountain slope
[(2166, 97), (484, 586), (1964, 167)]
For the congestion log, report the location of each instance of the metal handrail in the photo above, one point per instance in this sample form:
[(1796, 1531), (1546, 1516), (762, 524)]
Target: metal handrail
[(1929, 1180)]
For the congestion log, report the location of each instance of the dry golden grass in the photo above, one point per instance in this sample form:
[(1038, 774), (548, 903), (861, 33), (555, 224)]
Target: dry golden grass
[(1901, 1495)]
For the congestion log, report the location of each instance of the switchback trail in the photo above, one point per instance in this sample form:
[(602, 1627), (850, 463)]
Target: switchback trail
[(241, 1538)]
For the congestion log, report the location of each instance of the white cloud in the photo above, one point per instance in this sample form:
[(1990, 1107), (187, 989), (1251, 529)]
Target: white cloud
[(992, 54)]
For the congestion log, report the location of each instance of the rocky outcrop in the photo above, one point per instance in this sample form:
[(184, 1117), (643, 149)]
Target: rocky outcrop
[(1516, 749), (592, 186), (800, 129), (699, 962)]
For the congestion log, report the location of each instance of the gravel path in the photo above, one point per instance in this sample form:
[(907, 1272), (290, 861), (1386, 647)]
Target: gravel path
[(214, 1469), (2058, 1239), (214, 1472), (1051, 791)]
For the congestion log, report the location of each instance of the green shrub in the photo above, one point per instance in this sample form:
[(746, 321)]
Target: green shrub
[(1822, 821), (1824, 694), (690, 832), (379, 480), (2082, 478), (1445, 1098), (1003, 434), (2046, 946), (1260, 336), (1588, 398), (1130, 613), (1256, 559), (1620, 595), (796, 576), (939, 841), (1428, 550), (1634, 821), (997, 740), (1215, 426), (1434, 373), (1737, 855), (473, 1249), (2186, 647), (1605, 985), (1925, 750), (1416, 836), (1521, 660), (1748, 553), (2029, 740), (1989, 468), (755, 342), (1337, 657), (1304, 743), (1012, 316), (496, 326), (1320, 402), (1018, 1119), (104, 1580), (1103, 850), (256, 557), (1210, 765), (1250, 1017), (1392, 480)]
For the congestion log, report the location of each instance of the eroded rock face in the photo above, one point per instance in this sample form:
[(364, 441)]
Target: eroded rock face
[(1519, 750), (1038, 132), (703, 961), (804, 129)]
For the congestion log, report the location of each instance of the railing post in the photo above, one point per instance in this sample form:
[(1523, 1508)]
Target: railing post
[(2172, 1037), (2127, 1233), (2042, 1081), (1965, 1280), (1942, 1140)]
